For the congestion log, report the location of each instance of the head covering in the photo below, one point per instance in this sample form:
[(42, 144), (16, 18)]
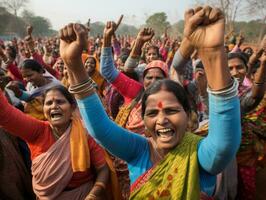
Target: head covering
[(157, 64)]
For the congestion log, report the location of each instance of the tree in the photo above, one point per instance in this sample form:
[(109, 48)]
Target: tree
[(158, 21), (41, 25), (230, 8), (257, 8), (14, 5)]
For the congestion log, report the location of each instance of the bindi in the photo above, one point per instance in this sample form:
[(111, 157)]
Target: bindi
[(160, 105)]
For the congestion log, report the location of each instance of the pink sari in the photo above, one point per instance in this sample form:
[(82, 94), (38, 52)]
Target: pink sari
[(52, 173)]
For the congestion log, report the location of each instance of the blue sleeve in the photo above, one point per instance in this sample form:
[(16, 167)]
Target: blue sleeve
[(117, 140), (107, 67), (223, 140)]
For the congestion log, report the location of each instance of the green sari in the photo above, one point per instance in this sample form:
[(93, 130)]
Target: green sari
[(176, 177)]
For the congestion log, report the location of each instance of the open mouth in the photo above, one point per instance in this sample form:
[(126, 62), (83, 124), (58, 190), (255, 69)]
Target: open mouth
[(165, 134), (56, 115)]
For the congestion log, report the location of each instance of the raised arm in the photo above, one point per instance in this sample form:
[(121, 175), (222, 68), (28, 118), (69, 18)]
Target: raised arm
[(127, 87), (204, 28), (18, 123), (115, 139), (144, 35)]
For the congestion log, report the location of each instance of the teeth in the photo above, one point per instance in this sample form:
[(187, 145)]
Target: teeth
[(164, 130)]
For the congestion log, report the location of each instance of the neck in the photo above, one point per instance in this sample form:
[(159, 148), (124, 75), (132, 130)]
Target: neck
[(59, 131)]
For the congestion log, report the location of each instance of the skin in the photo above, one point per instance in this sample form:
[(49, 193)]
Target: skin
[(34, 77), (237, 69), (163, 111), (55, 102), (151, 55), (151, 76), (90, 66)]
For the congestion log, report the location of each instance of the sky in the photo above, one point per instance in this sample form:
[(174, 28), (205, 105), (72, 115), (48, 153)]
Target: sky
[(61, 12)]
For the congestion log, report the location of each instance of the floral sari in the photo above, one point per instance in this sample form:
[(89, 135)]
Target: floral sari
[(176, 177)]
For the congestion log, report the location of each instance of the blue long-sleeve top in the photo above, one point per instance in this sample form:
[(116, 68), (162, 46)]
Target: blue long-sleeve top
[(214, 152)]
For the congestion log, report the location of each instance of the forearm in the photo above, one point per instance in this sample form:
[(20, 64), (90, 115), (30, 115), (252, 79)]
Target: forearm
[(258, 88), (223, 140), (107, 67), (101, 181), (120, 142), (215, 65)]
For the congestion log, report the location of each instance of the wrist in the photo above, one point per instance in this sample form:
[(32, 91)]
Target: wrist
[(107, 41), (186, 49)]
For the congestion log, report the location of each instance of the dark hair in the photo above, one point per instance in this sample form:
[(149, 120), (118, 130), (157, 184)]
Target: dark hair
[(155, 48), (170, 86), (32, 65), (13, 51), (64, 92), (240, 56)]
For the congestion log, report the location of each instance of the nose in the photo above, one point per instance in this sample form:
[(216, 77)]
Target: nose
[(54, 105), (235, 72), (162, 119)]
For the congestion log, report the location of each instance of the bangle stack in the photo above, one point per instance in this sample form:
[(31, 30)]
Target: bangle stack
[(83, 87)]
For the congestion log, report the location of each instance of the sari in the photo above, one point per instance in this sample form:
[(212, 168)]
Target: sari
[(175, 177), (53, 170)]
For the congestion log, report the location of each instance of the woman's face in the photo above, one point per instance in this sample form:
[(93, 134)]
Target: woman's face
[(165, 119), (60, 67), (90, 65), (151, 55), (34, 77), (57, 109), (237, 69), (151, 76)]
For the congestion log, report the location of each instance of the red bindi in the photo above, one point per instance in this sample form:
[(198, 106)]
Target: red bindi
[(160, 105)]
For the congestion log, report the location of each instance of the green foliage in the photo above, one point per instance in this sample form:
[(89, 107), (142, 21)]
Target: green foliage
[(14, 25), (158, 21)]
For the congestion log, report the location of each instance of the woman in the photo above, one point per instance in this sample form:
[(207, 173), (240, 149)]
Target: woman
[(129, 115), (92, 67), (172, 163), (38, 81), (66, 162)]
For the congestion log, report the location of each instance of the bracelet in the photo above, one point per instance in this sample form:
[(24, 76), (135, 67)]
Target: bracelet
[(83, 87), (100, 184)]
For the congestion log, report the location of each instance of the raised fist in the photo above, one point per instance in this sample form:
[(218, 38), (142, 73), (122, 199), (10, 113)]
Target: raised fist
[(145, 35), (73, 40), (204, 27)]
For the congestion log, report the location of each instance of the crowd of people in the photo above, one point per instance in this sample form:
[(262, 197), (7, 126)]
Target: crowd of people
[(117, 117)]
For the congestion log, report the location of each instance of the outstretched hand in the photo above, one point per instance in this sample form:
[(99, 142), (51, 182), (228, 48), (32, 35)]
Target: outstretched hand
[(204, 27), (73, 40), (111, 27)]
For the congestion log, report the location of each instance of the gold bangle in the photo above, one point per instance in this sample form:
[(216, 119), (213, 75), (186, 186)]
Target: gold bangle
[(100, 184)]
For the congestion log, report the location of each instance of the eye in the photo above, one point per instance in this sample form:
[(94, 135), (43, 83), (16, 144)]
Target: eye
[(48, 103), (60, 101), (151, 113), (171, 111)]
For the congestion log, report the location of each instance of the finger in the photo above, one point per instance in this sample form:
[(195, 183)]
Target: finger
[(196, 19), (215, 15), (70, 32), (65, 34), (119, 21), (188, 14), (81, 34), (207, 11)]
